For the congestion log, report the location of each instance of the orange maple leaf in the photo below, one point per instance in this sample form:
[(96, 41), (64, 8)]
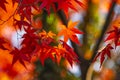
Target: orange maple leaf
[(70, 32), (45, 34)]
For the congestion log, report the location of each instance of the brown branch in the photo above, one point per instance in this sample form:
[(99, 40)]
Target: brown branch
[(63, 17)]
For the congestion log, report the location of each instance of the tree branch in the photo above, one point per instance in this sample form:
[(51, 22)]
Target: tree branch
[(63, 17), (106, 25)]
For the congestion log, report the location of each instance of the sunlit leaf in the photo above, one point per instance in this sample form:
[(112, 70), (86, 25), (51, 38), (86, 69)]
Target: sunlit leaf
[(70, 32)]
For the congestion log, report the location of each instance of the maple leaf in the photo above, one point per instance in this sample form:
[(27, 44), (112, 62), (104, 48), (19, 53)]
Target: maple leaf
[(46, 38), (104, 52), (25, 8), (70, 32), (45, 53), (21, 23), (28, 48), (44, 34), (114, 35), (45, 50), (19, 55), (56, 53), (2, 4), (59, 51), (30, 33), (25, 12), (47, 4), (69, 53), (66, 4), (30, 41)]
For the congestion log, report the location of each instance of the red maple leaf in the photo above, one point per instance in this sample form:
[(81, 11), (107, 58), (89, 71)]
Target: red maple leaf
[(19, 55), (30, 35), (66, 4), (28, 47), (47, 5), (60, 5), (104, 52), (114, 35), (25, 8), (25, 12), (68, 53), (21, 23), (2, 4), (30, 41), (46, 50), (45, 53), (46, 38), (70, 32), (57, 53)]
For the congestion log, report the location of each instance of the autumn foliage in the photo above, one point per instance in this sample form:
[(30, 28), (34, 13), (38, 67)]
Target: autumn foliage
[(39, 42)]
